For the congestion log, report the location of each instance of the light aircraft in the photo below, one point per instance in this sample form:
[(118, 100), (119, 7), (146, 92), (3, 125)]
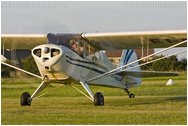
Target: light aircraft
[(80, 58)]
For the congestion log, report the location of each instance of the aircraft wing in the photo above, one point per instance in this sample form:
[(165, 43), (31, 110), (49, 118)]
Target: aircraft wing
[(22, 41), (103, 41), (143, 74), (132, 40)]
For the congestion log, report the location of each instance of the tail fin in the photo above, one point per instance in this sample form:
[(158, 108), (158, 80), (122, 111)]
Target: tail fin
[(128, 56)]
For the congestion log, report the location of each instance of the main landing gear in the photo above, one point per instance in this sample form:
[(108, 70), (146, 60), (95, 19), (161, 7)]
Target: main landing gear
[(98, 99), (25, 99), (130, 95)]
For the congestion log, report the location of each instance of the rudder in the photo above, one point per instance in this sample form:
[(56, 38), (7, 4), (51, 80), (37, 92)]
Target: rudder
[(128, 56)]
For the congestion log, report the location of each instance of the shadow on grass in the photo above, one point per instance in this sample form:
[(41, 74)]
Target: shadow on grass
[(147, 101), (180, 98), (134, 103)]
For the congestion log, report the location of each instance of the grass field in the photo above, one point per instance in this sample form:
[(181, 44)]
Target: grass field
[(154, 104)]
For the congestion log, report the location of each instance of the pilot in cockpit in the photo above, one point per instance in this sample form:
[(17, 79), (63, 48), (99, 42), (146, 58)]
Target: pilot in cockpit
[(73, 45), (76, 47)]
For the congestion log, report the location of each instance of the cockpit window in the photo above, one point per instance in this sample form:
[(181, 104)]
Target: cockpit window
[(68, 40), (54, 52), (71, 41), (37, 52)]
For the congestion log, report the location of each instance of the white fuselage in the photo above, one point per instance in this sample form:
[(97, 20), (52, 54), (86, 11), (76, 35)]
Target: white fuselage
[(60, 64)]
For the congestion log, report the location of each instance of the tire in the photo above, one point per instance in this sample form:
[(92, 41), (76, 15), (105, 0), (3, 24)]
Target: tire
[(25, 99), (131, 96), (98, 99)]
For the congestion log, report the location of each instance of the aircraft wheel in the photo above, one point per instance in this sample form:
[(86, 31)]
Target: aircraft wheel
[(25, 99), (98, 99), (131, 96)]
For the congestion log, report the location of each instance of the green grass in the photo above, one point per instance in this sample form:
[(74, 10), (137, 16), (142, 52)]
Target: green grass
[(16, 81), (154, 104)]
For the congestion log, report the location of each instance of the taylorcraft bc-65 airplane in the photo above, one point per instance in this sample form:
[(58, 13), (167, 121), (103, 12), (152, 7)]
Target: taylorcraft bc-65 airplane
[(80, 58)]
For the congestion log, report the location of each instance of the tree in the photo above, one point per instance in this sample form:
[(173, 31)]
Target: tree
[(29, 64), (145, 67), (173, 63), (5, 70), (182, 65), (161, 65)]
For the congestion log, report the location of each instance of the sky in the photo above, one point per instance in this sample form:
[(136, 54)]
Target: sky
[(25, 17)]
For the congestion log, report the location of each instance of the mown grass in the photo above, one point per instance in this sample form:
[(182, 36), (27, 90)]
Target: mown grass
[(17, 81), (78, 110), (154, 104)]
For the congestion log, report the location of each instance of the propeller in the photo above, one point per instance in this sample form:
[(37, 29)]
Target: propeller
[(51, 24)]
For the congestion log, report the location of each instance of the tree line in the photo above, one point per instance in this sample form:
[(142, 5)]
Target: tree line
[(168, 64)]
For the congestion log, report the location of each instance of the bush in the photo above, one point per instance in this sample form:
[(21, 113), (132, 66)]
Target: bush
[(5, 70), (182, 65), (161, 65), (29, 64), (167, 64)]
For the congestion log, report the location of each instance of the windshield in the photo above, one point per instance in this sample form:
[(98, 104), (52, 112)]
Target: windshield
[(71, 41)]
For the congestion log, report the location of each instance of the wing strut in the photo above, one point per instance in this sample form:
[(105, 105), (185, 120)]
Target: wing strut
[(115, 70), (21, 70)]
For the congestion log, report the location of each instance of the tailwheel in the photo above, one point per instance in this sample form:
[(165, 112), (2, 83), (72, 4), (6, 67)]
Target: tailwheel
[(98, 99), (131, 95), (25, 99)]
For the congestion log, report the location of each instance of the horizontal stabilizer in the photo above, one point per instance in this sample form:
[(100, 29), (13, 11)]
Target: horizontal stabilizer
[(144, 74)]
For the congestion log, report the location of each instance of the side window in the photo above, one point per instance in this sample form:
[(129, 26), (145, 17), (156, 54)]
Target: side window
[(80, 49), (89, 49)]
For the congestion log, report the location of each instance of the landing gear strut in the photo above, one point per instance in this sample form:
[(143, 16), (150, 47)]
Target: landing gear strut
[(26, 98), (130, 95), (98, 98)]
